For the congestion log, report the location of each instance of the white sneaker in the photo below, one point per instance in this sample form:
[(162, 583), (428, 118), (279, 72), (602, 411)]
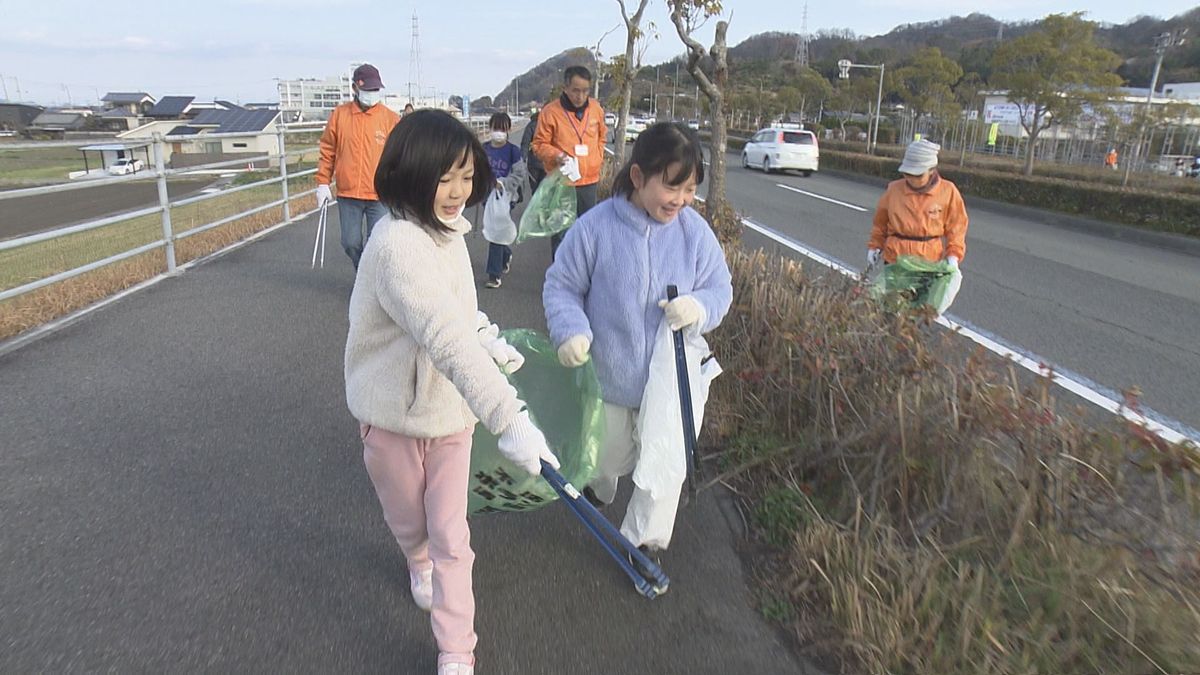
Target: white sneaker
[(456, 669), (422, 588)]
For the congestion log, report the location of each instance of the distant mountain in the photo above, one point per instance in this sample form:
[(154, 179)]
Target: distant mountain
[(767, 60), (971, 40), (537, 83)]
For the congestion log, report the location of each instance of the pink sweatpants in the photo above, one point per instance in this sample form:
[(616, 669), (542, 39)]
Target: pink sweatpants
[(422, 486)]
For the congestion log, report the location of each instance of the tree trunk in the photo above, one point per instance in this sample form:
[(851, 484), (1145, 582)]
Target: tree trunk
[(714, 91), (632, 32), (1031, 148)]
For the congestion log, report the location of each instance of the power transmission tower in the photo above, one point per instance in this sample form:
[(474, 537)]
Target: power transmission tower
[(414, 60), (802, 42)]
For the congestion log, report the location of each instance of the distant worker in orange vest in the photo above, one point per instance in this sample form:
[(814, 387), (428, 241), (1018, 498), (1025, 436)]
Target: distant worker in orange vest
[(1110, 160), (570, 134), (350, 150), (922, 214)]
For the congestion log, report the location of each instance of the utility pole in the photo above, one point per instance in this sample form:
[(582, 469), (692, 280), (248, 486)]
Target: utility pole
[(844, 67), (674, 85), (1162, 43)]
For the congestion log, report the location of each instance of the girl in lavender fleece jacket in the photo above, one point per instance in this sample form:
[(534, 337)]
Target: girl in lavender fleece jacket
[(605, 294)]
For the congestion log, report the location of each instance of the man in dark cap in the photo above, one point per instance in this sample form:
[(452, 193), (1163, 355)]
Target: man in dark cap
[(350, 150)]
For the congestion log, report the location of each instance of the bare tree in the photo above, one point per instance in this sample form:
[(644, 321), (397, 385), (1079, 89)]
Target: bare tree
[(688, 15), (627, 71)]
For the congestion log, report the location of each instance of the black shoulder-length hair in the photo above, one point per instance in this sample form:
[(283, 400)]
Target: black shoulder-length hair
[(656, 149), (419, 151)]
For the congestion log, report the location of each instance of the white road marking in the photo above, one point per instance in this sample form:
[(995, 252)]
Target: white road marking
[(1167, 429), (821, 197)]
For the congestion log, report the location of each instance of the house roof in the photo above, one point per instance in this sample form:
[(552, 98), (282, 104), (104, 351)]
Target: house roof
[(230, 121), (116, 114), (184, 130), (171, 106), (120, 97), (116, 146), (14, 104), (228, 105), (56, 119)]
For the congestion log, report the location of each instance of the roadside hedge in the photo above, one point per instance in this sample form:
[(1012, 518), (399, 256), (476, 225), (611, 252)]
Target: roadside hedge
[(1162, 212)]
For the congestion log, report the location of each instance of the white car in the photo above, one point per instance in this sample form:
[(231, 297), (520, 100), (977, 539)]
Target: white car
[(779, 149), (632, 131), (694, 124), (125, 166), (610, 120)]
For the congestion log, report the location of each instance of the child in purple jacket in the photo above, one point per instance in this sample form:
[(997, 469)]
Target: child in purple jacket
[(605, 295)]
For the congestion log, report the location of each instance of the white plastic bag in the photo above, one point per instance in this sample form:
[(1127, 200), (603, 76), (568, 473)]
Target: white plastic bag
[(951, 292), (662, 463), (498, 225)]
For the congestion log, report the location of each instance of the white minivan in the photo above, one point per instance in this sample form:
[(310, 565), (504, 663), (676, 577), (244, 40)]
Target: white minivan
[(780, 149)]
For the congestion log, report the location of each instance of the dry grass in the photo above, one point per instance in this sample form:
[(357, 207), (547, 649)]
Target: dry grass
[(43, 305), (934, 513)]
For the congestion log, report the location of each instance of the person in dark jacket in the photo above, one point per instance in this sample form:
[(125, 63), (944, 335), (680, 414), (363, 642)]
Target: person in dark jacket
[(536, 170)]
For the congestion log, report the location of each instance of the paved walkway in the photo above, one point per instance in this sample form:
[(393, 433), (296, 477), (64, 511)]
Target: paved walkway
[(181, 489)]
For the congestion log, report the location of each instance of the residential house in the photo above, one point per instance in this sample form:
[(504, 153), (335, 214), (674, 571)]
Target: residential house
[(136, 103), (187, 146), (17, 116), (116, 120), (55, 123)]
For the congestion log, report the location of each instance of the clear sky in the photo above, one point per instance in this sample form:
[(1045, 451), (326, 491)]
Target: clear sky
[(235, 49)]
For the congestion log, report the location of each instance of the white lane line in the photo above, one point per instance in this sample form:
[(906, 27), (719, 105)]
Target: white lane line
[(1167, 429), (821, 197)]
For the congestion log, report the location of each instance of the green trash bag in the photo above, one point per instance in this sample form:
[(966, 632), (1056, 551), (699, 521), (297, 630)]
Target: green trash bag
[(565, 404), (913, 281), (551, 209)]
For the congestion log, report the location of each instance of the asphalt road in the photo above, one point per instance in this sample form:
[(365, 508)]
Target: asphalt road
[(1113, 308), (28, 215), (182, 490)]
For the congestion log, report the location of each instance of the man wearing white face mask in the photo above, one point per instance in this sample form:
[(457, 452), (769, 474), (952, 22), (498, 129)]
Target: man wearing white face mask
[(350, 150)]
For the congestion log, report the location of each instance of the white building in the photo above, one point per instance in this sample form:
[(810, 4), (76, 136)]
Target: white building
[(313, 99), (999, 110)]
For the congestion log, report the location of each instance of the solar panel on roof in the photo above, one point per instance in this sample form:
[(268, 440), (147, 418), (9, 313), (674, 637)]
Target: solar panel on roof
[(170, 106)]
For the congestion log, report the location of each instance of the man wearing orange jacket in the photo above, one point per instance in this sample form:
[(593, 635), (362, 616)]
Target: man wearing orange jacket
[(570, 134), (921, 214), (350, 150)]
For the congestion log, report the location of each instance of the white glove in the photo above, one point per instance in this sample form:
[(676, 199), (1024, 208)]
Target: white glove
[(487, 333), (874, 257), (523, 444), (574, 352), (323, 195), (682, 312), (953, 260), (505, 355), (570, 168)]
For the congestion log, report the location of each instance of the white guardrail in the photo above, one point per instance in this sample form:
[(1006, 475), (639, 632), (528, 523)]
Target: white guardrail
[(160, 173)]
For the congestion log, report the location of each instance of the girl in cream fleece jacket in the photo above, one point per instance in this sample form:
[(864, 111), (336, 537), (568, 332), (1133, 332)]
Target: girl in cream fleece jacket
[(418, 376)]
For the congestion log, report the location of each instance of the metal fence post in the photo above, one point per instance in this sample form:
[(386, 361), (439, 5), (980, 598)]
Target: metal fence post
[(164, 201), (283, 172)]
